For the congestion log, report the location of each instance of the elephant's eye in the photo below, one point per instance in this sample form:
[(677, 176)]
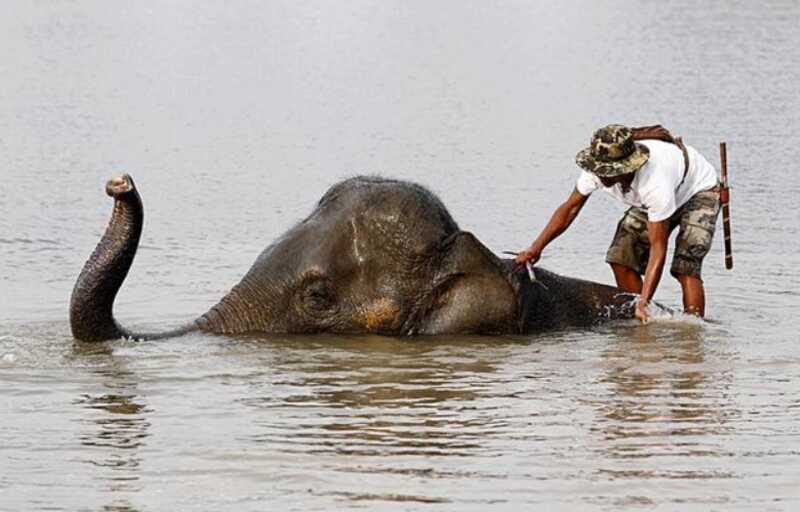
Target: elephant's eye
[(318, 295)]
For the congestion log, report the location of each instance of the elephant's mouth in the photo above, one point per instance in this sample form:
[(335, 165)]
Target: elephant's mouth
[(379, 316)]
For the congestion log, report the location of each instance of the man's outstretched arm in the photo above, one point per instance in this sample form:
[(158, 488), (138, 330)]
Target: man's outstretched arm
[(560, 220)]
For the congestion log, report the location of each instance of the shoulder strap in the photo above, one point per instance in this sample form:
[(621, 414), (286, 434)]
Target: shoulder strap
[(679, 143), (658, 132)]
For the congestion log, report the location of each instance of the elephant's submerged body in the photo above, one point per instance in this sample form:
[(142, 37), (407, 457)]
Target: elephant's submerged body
[(375, 256)]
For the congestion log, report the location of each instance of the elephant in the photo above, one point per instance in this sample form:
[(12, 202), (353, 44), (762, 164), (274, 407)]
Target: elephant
[(376, 256)]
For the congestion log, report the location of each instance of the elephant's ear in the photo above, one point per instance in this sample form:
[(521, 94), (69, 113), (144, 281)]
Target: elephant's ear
[(472, 292)]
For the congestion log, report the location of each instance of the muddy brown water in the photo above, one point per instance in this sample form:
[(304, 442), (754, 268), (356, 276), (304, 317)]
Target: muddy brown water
[(235, 118)]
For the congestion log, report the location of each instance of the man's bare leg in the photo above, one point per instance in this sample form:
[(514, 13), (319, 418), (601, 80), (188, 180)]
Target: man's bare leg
[(694, 295), (627, 279)]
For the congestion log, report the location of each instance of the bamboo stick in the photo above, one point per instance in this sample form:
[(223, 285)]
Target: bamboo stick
[(725, 198)]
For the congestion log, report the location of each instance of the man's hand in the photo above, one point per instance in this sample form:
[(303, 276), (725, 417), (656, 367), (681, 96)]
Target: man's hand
[(641, 311), (531, 254)]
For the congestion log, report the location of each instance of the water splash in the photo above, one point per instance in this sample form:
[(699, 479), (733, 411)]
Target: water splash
[(663, 314)]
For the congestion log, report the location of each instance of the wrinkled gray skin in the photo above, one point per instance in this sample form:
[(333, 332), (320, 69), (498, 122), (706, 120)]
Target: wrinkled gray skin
[(375, 256)]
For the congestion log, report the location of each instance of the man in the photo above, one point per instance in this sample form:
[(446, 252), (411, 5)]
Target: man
[(663, 192)]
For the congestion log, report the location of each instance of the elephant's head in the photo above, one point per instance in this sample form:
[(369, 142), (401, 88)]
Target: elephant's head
[(378, 256)]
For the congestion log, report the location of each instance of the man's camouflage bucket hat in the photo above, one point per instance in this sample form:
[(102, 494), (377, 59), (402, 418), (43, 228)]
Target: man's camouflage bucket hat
[(613, 152)]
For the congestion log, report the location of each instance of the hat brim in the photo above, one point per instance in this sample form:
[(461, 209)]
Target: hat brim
[(606, 168)]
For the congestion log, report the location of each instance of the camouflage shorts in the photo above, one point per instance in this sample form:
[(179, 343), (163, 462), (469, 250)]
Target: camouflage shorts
[(697, 219)]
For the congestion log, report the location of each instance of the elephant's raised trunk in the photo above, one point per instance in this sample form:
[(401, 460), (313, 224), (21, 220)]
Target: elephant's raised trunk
[(92, 302), (91, 306)]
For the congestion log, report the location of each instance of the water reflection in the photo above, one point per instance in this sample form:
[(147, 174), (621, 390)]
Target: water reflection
[(665, 399), (119, 507), (377, 397), (116, 422)]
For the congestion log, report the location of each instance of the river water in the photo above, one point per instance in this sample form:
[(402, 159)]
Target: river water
[(235, 117)]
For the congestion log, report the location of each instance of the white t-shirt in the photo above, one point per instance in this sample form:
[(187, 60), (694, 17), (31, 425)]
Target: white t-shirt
[(657, 185)]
